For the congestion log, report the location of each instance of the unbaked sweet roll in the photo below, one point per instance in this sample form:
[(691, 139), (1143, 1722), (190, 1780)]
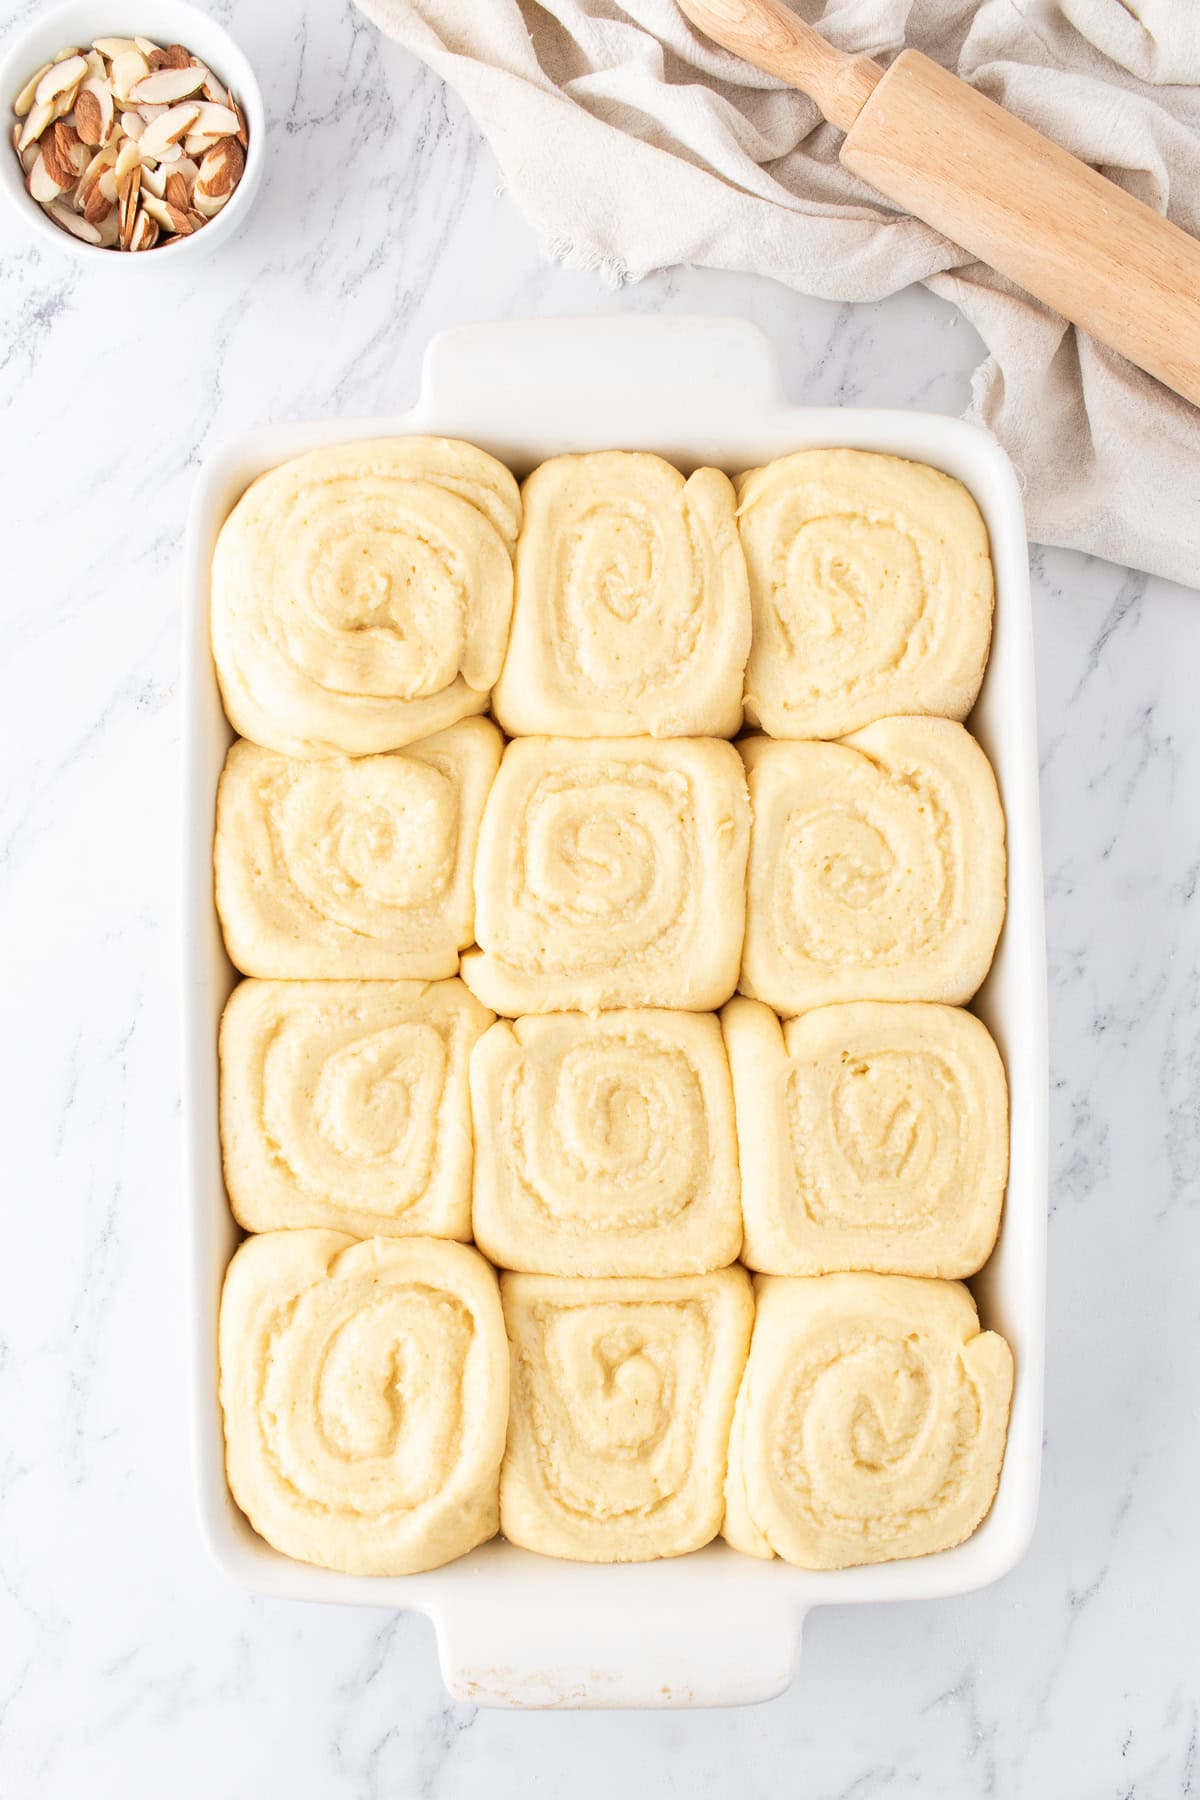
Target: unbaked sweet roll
[(877, 867), (357, 868), (622, 1396), (365, 1392), (872, 1136), (632, 613), (346, 1104), (605, 1145), (361, 595), (871, 587), (870, 1423), (610, 873)]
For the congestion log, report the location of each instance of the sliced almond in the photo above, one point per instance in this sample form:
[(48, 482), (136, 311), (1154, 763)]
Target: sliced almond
[(144, 232), (68, 53), (168, 129), (60, 78), (70, 149), (29, 155), (60, 172), (215, 121), (94, 112), (127, 70), (147, 46), (167, 217), (171, 157), (196, 219), (212, 90), (109, 228), (36, 121), (176, 191), (209, 205), (176, 57), (166, 86), (112, 47), (71, 221), (107, 185), (41, 184), (128, 157), (133, 125), (89, 182), (154, 177), (221, 169), (243, 133), (155, 206), (97, 206), (28, 93), (129, 188), (97, 67)]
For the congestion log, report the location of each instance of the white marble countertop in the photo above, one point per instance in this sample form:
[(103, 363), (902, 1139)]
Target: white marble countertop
[(127, 1665)]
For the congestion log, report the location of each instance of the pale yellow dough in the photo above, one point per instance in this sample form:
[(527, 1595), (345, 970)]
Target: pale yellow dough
[(622, 1396), (365, 1392), (361, 595), (632, 611), (872, 1135), (346, 1104), (352, 868), (877, 867), (610, 874), (871, 586), (605, 1145), (870, 1423)]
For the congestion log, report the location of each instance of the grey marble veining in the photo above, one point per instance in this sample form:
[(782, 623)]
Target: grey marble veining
[(126, 1664)]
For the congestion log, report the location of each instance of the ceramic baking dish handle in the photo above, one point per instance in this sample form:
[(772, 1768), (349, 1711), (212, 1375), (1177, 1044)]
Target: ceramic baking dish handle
[(611, 1658), (504, 383)]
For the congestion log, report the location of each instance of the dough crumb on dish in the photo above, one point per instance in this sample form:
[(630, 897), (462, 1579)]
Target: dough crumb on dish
[(622, 1396), (605, 1145), (877, 867), (870, 1422), (610, 873), (352, 867), (631, 614), (872, 1135), (364, 1387), (872, 592), (362, 593), (346, 1104)]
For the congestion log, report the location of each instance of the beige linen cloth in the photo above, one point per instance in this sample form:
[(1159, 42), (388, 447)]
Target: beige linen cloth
[(633, 143)]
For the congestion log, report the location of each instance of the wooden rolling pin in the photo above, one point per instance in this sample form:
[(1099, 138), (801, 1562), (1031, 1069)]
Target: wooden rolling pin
[(994, 185)]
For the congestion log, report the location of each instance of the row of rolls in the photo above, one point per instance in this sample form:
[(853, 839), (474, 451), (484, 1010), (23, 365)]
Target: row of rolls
[(596, 873), (369, 594), (390, 1403), (539, 1038)]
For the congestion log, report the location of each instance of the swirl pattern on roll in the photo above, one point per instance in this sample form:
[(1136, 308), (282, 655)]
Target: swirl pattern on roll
[(605, 1145), (870, 1423), (352, 867), (872, 1135), (632, 611), (364, 1387), (877, 867), (610, 874), (361, 595), (346, 1104), (622, 1396), (871, 587)]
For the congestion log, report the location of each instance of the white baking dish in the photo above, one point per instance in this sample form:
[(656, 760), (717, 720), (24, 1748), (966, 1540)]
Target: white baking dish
[(714, 1628)]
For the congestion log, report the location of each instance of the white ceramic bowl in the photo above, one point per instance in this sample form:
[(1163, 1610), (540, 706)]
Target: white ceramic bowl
[(712, 1628), (166, 22)]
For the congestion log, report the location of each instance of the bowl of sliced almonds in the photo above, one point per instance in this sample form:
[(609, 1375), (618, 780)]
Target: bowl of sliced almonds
[(130, 130)]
